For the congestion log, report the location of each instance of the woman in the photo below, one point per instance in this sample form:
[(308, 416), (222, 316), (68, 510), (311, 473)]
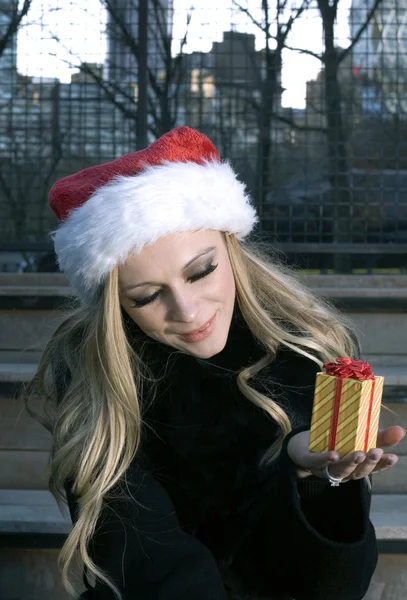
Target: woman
[(185, 385)]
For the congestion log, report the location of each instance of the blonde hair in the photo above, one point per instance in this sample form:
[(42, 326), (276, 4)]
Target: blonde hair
[(97, 423)]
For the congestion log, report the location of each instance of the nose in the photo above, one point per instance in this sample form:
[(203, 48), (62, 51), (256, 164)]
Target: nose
[(183, 306)]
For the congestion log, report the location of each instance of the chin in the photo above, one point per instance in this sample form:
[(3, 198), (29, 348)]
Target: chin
[(206, 348)]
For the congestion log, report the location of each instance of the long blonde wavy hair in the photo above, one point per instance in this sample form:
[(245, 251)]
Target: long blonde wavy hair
[(96, 426)]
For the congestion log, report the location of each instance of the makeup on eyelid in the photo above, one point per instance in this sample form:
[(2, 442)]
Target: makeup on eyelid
[(139, 303)]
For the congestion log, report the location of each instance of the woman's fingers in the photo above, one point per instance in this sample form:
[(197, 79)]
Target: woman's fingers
[(369, 464), (388, 461), (347, 465), (390, 436), (374, 462), (354, 466), (298, 452)]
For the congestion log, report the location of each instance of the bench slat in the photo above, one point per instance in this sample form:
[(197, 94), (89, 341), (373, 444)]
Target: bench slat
[(36, 511), (394, 376)]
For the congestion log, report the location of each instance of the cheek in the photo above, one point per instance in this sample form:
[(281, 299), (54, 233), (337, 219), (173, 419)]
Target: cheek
[(226, 285), (147, 320)]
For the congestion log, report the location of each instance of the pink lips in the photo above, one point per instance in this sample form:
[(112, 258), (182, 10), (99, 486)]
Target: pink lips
[(202, 333)]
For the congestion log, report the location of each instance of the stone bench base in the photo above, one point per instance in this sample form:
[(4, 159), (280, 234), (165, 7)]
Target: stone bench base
[(35, 512), (32, 530)]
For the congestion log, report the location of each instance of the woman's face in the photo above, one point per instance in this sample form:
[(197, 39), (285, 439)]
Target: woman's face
[(181, 291)]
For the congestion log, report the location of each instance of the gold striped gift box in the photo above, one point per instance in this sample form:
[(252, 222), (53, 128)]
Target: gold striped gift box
[(346, 410)]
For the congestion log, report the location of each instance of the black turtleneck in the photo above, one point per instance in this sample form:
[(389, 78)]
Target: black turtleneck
[(203, 509)]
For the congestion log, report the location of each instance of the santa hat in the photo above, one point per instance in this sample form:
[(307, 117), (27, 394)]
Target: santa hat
[(109, 211)]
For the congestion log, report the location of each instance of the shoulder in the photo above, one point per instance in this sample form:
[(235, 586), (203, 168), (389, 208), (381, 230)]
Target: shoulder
[(292, 367), (290, 380)]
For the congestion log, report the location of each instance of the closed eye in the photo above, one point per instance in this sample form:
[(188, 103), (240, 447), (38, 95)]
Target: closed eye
[(144, 301), (209, 269)]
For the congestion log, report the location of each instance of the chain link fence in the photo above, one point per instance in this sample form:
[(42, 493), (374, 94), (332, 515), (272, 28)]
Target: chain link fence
[(306, 98)]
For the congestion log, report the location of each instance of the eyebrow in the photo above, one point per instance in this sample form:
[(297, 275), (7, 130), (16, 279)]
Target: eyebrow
[(189, 263)]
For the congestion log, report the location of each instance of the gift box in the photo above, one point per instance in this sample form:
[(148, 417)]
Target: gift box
[(346, 409)]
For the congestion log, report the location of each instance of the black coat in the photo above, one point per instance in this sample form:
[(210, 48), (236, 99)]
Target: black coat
[(205, 521)]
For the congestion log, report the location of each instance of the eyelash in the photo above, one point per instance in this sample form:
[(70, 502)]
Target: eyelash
[(209, 269)]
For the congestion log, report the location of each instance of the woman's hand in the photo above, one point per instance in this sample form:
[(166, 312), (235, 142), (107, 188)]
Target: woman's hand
[(354, 466)]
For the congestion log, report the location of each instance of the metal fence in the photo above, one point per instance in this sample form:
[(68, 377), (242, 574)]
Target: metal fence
[(307, 100)]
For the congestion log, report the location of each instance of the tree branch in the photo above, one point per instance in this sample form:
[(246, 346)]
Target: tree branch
[(281, 6), (305, 51), (108, 88), (296, 126), (164, 38), (14, 24), (248, 14), (283, 29), (295, 14), (256, 106), (126, 35)]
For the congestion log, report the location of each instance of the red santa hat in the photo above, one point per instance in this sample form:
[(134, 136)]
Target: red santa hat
[(109, 211)]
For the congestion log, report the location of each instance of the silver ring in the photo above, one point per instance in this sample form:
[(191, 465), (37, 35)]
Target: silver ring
[(335, 481)]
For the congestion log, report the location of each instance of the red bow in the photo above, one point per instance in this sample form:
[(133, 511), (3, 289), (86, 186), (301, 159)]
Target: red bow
[(349, 369)]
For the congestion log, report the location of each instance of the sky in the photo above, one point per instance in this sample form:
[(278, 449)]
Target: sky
[(59, 34)]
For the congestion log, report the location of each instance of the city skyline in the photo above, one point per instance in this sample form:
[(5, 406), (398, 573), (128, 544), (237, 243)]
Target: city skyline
[(41, 55)]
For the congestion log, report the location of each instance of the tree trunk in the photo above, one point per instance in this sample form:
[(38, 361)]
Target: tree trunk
[(166, 119), (265, 143), (336, 138)]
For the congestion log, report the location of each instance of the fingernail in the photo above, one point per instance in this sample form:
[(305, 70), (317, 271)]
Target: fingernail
[(375, 455), (359, 459)]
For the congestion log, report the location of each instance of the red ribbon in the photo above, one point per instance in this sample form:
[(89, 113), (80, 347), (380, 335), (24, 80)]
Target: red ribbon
[(349, 369), (346, 368), (369, 417)]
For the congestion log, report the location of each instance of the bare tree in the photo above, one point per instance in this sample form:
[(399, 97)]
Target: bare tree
[(164, 77), (275, 25), (335, 128), (26, 172), (13, 17), (31, 154), (332, 59)]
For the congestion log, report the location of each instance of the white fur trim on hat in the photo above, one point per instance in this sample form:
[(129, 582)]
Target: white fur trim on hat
[(130, 212)]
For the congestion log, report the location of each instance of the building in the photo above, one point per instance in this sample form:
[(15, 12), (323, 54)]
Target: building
[(49, 130), (122, 34), (8, 59), (197, 91), (381, 54), (221, 93), (84, 75), (236, 61)]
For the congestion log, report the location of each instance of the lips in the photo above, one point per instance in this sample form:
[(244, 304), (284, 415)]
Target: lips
[(204, 326), (200, 334)]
